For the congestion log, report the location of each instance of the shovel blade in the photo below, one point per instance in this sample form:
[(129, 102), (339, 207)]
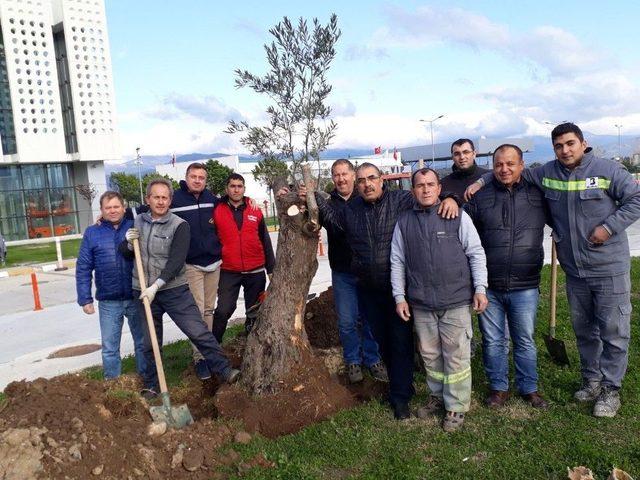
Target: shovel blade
[(174, 417), (557, 350)]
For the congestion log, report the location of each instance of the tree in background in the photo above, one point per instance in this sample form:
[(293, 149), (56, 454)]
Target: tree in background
[(299, 126), (88, 192), (129, 186), (217, 174), (271, 172)]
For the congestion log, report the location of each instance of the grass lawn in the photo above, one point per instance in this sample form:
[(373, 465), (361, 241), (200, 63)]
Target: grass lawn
[(40, 253), (515, 443)]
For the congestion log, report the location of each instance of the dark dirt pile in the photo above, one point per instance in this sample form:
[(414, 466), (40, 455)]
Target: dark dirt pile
[(321, 322)]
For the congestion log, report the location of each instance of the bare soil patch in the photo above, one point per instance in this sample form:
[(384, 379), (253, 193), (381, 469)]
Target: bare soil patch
[(75, 351)]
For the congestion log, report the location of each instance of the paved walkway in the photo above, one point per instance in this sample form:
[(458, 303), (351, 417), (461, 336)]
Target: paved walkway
[(27, 337)]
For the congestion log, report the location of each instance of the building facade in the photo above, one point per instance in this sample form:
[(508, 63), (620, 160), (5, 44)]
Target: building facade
[(57, 115)]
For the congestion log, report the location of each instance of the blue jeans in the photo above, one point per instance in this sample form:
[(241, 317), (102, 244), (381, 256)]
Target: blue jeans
[(520, 308), (358, 344), (112, 313)]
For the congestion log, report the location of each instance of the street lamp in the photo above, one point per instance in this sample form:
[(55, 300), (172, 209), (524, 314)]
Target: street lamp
[(433, 148), (138, 162), (619, 142)]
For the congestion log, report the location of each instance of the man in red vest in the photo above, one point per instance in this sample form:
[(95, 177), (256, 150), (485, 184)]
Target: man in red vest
[(246, 253)]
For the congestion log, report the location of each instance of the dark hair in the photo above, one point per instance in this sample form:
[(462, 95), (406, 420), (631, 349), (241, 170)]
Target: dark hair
[(343, 161), (195, 166), (505, 146), (160, 181), (565, 128), (424, 171), (368, 165), (234, 176), (109, 194), (462, 141)]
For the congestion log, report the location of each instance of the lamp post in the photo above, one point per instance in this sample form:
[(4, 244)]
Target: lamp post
[(619, 141), (138, 162), (433, 148)]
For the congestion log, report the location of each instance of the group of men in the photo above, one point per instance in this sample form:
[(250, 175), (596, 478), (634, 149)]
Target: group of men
[(419, 266), (195, 247), (401, 262)]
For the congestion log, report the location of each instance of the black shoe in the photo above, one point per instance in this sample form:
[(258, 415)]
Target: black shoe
[(202, 370), (401, 411), (148, 394), (233, 376)]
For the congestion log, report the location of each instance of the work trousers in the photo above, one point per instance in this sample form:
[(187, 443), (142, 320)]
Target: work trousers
[(395, 341), (444, 340), (601, 318), (178, 303), (253, 285), (204, 288)]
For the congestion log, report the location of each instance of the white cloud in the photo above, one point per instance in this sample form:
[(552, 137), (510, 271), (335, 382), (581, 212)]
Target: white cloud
[(207, 108)]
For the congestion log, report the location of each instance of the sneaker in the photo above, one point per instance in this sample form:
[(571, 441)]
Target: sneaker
[(535, 400), (453, 421), (497, 399), (354, 372), (608, 403), (589, 392), (434, 405), (202, 370), (401, 411), (233, 376), (148, 394), (379, 372)]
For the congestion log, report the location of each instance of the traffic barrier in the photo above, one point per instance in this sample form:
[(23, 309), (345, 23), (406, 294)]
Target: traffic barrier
[(36, 293), (60, 266)]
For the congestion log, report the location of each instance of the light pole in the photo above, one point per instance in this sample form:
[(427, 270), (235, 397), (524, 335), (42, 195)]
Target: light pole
[(433, 148), (619, 142), (138, 162)]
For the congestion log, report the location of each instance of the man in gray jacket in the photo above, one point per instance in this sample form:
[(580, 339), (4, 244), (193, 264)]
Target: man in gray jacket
[(592, 201), (164, 243), (438, 269)]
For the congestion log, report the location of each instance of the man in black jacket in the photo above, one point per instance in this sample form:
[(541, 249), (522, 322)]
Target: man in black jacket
[(510, 215), (465, 169), (368, 222)]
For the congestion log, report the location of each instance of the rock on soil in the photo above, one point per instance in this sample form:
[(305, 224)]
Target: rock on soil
[(21, 453)]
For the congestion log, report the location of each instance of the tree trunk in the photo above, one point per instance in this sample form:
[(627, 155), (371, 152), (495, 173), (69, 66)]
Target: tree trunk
[(278, 340)]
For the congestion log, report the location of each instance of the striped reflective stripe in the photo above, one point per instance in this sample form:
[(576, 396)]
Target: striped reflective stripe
[(192, 207), (451, 378), (576, 185)]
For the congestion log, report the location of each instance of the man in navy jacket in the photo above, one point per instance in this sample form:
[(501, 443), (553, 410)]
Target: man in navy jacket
[(99, 254)]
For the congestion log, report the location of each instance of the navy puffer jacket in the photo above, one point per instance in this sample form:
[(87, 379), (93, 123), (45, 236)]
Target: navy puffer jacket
[(99, 253)]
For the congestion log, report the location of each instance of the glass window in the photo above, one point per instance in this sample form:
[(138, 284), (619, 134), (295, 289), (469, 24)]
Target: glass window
[(33, 176), (39, 227), (14, 228), (59, 175), (65, 224), (37, 203), (11, 204), (10, 178)]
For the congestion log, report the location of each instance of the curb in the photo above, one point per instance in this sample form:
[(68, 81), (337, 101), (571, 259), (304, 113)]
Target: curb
[(40, 267)]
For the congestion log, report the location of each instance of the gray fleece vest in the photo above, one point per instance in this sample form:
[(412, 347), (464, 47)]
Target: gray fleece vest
[(156, 238), (437, 269)]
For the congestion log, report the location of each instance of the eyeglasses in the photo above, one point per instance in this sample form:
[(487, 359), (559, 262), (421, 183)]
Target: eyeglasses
[(370, 179), (464, 152)]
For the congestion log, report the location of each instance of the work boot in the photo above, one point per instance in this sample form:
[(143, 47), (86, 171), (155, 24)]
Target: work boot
[(434, 405), (379, 372), (148, 394), (608, 403), (202, 370), (401, 411), (535, 400), (589, 392), (354, 372), (453, 421), (497, 399), (232, 376)]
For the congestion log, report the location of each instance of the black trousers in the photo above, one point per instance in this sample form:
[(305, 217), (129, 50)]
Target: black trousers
[(395, 339), (179, 304), (228, 291)]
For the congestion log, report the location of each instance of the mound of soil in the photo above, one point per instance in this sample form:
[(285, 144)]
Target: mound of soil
[(321, 322)]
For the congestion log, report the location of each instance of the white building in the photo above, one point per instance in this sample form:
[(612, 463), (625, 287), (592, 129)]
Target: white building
[(258, 191), (57, 114)]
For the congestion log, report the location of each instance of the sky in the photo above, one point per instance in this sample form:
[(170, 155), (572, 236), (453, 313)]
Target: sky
[(492, 68)]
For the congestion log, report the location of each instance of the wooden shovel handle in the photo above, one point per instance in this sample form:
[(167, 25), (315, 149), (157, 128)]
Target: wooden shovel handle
[(150, 324), (554, 289)]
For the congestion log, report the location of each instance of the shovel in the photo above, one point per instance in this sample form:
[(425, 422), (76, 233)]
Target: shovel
[(174, 417), (556, 347)]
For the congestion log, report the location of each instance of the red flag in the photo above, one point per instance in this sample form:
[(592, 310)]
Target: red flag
[(395, 153), (377, 150)]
